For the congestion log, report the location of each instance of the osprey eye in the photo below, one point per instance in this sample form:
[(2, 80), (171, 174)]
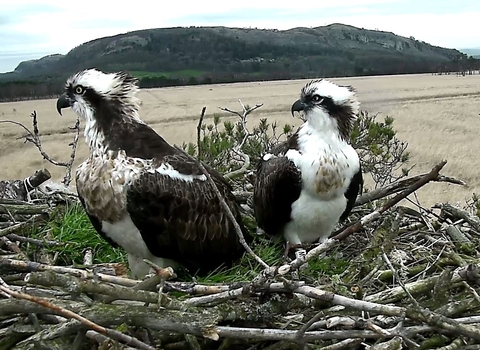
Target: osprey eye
[(79, 90), (316, 98)]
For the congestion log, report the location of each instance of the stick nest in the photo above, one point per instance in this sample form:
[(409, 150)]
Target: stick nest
[(411, 282), (393, 277)]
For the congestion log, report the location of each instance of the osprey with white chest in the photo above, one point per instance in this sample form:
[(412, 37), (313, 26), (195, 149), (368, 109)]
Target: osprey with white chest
[(310, 182), (141, 193)]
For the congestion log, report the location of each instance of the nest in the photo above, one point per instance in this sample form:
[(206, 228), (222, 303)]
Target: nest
[(411, 282)]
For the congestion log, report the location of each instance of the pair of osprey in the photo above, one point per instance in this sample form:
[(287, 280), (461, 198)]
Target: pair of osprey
[(154, 201)]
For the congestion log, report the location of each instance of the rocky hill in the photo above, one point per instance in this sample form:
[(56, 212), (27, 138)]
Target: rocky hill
[(191, 55)]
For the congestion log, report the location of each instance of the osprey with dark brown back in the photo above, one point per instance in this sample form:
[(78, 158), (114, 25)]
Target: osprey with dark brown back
[(141, 193)]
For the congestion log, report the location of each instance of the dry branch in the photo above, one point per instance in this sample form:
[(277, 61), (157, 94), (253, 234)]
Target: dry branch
[(226, 208), (459, 213), (238, 148), (199, 130), (401, 185), (34, 137)]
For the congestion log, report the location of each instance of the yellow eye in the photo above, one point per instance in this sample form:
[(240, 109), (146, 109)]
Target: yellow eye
[(316, 98), (79, 90)]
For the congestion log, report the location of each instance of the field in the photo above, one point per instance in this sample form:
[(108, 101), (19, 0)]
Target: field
[(437, 115)]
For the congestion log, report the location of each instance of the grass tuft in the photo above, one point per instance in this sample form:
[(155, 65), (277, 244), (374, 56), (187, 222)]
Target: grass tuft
[(73, 228)]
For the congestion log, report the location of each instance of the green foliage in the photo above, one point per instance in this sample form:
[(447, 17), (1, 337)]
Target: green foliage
[(73, 228), (272, 253), (217, 141), (247, 268), (382, 154)]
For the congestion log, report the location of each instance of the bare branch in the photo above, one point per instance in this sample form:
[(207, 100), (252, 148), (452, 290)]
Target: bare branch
[(232, 218), (199, 130), (69, 314), (34, 137)]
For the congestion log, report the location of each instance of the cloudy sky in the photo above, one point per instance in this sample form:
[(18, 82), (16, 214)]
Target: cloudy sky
[(32, 29)]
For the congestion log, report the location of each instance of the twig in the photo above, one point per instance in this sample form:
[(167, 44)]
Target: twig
[(34, 241), (456, 212), (199, 130), (238, 148), (225, 207), (431, 318), (116, 335), (35, 266), (34, 137), (68, 175), (432, 175), (20, 225), (400, 185)]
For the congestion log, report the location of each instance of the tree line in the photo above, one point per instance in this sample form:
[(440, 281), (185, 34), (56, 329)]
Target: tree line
[(261, 70)]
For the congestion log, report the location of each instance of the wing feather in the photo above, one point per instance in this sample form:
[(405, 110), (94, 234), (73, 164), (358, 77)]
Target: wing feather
[(184, 220), (354, 189), (278, 184)]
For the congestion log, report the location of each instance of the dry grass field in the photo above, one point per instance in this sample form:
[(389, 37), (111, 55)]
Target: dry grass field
[(437, 115)]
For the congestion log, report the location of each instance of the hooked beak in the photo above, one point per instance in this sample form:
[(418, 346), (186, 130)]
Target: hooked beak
[(298, 106), (63, 102)]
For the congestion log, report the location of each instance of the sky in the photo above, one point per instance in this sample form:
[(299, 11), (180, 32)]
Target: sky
[(33, 29)]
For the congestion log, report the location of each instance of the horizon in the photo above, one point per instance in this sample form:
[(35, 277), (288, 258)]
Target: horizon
[(32, 29)]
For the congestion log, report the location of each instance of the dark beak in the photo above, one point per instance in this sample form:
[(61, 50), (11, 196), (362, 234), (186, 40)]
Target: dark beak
[(63, 102), (298, 106)]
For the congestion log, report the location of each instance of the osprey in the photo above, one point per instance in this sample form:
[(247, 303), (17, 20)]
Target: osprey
[(141, 193), (311, 181)]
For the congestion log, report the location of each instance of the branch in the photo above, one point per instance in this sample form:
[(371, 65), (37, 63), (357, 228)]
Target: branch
[(401, 185), (199, 129), (456, 212), (37, 179), (111, 333), (35, 266), (16, 227), (238, 149), (231, 217), (34, 137), (246, 165), (68, 175), (431, 176)]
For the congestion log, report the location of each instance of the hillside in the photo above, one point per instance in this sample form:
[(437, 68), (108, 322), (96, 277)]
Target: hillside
[(173, 56)]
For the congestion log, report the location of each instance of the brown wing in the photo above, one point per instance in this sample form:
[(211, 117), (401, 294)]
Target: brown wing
[(278, 184), (184, 221)]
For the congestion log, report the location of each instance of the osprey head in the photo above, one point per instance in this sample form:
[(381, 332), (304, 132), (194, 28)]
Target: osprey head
[(87, 90), (328, 106), (101, 99)]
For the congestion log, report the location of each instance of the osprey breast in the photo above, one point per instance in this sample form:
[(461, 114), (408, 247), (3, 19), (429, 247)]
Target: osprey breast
[(330, 174), (327, 170), (101, 181)]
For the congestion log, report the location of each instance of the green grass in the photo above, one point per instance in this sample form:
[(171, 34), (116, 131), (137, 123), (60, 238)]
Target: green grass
[(73, 228), (179, 73), (272, 253)]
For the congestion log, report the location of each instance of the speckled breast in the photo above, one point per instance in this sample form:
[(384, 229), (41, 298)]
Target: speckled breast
[(101, 181), (330, 174)]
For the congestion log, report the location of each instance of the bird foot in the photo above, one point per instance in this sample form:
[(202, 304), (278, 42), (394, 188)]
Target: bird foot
[(289, 247), (301, 253), (151, 273)]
